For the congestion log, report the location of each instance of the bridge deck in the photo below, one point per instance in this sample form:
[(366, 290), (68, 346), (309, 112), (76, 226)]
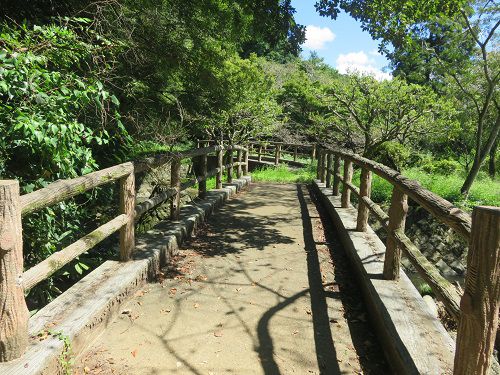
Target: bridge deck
[(263, 289)]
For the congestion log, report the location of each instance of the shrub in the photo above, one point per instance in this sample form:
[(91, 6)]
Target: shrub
[(392, 154), (444, 167)]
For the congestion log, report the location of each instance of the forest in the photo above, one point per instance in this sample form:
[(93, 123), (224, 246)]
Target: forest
[(86, 84)]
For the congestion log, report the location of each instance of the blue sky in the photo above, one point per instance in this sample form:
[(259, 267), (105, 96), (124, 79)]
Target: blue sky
[(340, 42)]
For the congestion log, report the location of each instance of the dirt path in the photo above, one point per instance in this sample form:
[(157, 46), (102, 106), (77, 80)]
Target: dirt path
[(263, 289)]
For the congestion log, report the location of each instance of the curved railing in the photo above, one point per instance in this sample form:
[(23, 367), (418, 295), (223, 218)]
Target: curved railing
[(476, 309), (14, 281)]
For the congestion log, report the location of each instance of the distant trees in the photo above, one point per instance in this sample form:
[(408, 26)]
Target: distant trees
[(441, 43)]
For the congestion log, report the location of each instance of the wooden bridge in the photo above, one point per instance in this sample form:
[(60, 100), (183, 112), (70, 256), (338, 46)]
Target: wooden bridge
[(262, 287)]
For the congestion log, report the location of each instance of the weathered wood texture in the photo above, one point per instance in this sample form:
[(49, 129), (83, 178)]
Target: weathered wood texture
[(329, 160), (202, 185), (127, 207), (346, 192), (481, 300), (375, 209), (365, 189), (175, 183), (397, 219), (61, 190), (439, 207), (245, 167), (239, 169), (230, 162), (57, 260), (13, 311), (220, 164), (444, 290), (259, 158), (336, 173), (277, 153)]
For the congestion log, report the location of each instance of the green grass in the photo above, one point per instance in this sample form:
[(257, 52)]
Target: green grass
[(283, 175), (484, 191)]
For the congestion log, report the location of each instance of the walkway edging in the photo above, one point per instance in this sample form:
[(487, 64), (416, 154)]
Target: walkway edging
[(82, 312), (415, 342)]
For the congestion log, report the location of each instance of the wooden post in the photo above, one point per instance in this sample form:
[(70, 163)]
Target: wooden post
[(13, 311), (245, 167), (322, 167), (329, 159), (230, 169), (397, 219), (295, 153), (336, 173), (365, 189), (127, 207), (480, 303), (313, 153), (346, 192), (175, 183), (202, 185), (277, 154), (260, 153), (239, 169), (318, 167), (198, 143), (220, 173)]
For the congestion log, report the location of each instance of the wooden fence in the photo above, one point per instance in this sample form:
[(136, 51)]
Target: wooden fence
[(476, 311), (15, 282), (273, 152)]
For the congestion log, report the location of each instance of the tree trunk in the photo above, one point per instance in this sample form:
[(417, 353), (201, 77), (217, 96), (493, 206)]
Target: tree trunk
[(492, 161), (479, 159)]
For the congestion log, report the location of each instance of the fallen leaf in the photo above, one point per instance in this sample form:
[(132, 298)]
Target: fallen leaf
[(295, 332), (196, 305), (139, 293), (218, 333), (238, 289), (134, 353), (308, 311)]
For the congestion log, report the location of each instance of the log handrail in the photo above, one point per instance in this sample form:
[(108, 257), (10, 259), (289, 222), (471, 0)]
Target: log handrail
[(477, 308), (21, 205)]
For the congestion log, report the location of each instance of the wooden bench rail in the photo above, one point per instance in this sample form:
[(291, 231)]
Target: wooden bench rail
[(61, 190), (57, 260), (440, 208), (445, 291)]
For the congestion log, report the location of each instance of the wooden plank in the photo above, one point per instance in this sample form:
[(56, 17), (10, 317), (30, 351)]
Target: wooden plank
[(444, 290), (231, 165), (57, 260), (239, 170), (365, 189), (379, 214), (329, 160), (336, 174), (397, 219), (481, 300), (63, 189), (245, 166), (152, 202), (13, 311), (346, 191), (127, 207), (439, 207), (220, 163)]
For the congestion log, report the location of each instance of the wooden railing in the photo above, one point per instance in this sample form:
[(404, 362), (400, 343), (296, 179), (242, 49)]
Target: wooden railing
[(478, 308), (272, 151), (14, 281)]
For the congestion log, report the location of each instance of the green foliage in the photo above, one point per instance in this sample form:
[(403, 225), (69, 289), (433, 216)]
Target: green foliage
[(392, 154), (283, 174), (443, 167)]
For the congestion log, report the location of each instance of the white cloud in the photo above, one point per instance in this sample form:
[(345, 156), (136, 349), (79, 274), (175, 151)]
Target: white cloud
[(359, 62), (317, 37)]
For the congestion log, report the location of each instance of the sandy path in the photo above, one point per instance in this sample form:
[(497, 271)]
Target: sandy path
[(261, 290)]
